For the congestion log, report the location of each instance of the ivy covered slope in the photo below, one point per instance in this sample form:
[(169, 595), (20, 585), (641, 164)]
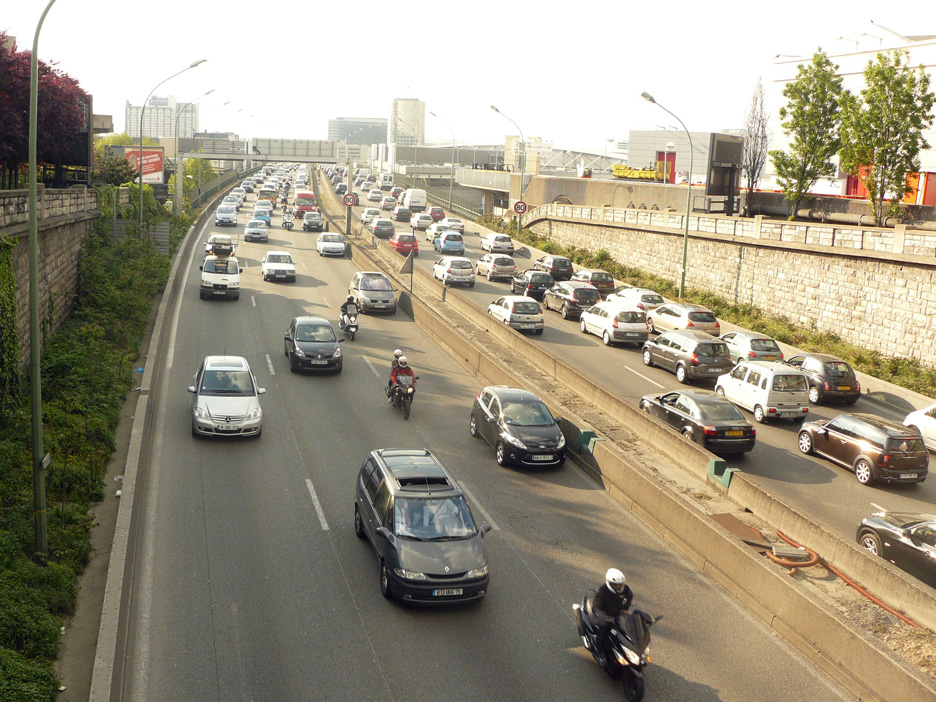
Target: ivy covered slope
[(86, 374)]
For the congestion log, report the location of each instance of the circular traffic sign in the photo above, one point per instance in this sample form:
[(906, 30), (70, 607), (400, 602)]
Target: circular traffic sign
[(520, 207), (349, 200)]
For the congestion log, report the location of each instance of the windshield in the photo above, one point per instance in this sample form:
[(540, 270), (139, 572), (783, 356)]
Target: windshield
[(312, 216), (375, 283), (432, 519), (220, 265), (279, 258), (527, 414), (702, 317), (315, 332), (713, 350), (226, 209), (331, 238), (837, 369), (256, 223), (789, 383), (218, 382), (305, 201)]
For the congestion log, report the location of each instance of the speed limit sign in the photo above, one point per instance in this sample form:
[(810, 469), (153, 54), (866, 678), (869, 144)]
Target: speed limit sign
[(349, 200), (520, 207)]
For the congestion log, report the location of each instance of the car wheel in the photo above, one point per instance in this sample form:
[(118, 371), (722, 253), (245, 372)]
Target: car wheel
[(489, 276), (720, 390), (645, 405), (687, 434), (582, 326), (471, 284), (564, 312), (815, 397), (759, 416), (538, 332), (804, 441), (650, 326), (194, 433), (606, 338), (681, 374), (385, 587), (358, 523), (863, 472), (473, 427), (501, 454), (647, 358), (870, 541), (293, 367)]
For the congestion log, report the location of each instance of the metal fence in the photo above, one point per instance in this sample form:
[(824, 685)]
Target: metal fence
[(440, 196)]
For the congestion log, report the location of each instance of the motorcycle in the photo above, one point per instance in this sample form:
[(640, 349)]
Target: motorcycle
[(403, 393), (348, 321), (629, 649), (287, 222)]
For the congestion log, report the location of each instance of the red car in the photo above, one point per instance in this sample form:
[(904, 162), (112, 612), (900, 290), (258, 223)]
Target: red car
[(436, 213), (404, 243)]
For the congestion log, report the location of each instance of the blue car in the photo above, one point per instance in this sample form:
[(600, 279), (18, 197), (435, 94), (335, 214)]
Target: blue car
[(449, 243), (263, 214)]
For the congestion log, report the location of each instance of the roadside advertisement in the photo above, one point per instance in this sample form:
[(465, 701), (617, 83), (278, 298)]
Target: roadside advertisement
[(153, 160)]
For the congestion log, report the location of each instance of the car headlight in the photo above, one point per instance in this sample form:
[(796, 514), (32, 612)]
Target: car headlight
[(337, 353), (561, 443), (514, 440), (233, 284), (254, 413), (201, 412), (409, 574), (477, 572), (299, 352), (365, 299)]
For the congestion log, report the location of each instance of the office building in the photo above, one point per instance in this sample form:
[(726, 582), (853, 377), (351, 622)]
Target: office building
[(355, 130), (407, 122), (159, 119)]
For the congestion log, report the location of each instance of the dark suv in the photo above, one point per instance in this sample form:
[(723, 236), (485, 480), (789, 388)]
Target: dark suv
[(830, 378), (688, 354), (559, 267), (877, 449), (415, 516), (519, 426), (532, 283)]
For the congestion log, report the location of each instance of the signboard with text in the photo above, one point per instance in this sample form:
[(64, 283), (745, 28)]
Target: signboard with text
[(153, 160)]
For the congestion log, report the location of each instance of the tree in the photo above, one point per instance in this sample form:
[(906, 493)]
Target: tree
[(811, 118), (113, 170), (882, 132), (124, 139), (756, 138)]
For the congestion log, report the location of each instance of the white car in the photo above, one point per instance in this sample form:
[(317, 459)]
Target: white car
[(226, 398), (925, 421), (240, 194), (256, 230), (369, 214), (375, 196), (420, 221), (226, 215), (330, 245), (518, 312), (495, 266), (497, 243), (453, 223), (278, 265), (615, 323), (220, 245), (233, 201), (454, 269), (435, 230), (640, 298)]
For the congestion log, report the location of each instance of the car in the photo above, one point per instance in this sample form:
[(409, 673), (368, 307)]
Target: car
[(420, 221), (226, 215), (559, 267), (369, 214), (388, 203), (906, 539), (678, 315), (330, 245), (266, 204), (830, 378), (602, 281), (382, 227), (532, 283), (263, 214), (402, 214), (220, 245), (240, 194), (233, 201), (518, 312), (751, 346), (497, 243), (396, 191), (641, 298), (453, 223), (769, 389), (688, 354), (570, 298), (704, 417), (924, 421), (404, 243), (615, 323), (375, 195), (256, 230), (436, 212), (313, 222), (496, 266), (435, 230), (359, 181), (310, 343), (519, 426), (278, 265), (449, 242), (226, 398), (341, 188), (416, 518), (454, 269), (248, 185), (878, 450), (373, 291)]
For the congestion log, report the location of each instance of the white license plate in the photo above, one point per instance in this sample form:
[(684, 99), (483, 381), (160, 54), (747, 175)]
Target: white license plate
[(220, 292), (379, 306), (280, 274), (789, 414), (526, 326), (448, 592), (319, 363), (543, 457), (907, 476), (225, 427), (632, 334)]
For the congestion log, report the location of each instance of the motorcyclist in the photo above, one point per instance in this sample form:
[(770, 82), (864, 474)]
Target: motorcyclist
[(344, 309), (393, 365), (611, 599), (402, 368)]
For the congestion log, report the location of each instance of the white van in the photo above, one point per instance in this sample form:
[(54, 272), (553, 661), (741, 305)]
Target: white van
[(386, 181), (769, 389), (415, 200), (220, 277)]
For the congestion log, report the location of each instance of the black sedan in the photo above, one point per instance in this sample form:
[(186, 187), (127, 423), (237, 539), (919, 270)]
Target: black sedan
[(532, 283), (519, 426), (906, 540), (310, 343), (571, 298), (704, 417)]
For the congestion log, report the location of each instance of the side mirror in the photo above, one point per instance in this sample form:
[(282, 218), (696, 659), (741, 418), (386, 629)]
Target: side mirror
[(240, 270), (415, 377), (286, 336), (558, 420), (484, 528), (340, 340), (191, 388), (261, 391), (492, 419), (385, 533), (201, 268)]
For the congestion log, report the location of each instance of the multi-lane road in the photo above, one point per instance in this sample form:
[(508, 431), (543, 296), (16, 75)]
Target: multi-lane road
[(248, 582)]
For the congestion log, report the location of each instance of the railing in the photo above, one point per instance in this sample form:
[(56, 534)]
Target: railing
[(440, 196)]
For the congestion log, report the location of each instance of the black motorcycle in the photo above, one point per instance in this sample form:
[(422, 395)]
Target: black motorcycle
[(629, 649), (403, 393)]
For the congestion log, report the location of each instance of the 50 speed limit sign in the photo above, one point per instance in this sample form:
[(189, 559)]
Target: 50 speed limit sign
[(520, 207), (349, 200)]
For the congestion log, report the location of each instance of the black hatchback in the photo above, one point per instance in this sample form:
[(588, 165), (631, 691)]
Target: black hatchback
[(310, 343), (830, 378), (519, 426), (532, 283), (571, 298), (559, 267)]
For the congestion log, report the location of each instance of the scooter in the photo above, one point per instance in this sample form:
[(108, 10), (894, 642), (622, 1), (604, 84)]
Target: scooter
[(287, 222), (629, 649), (403, 393), (348, 321)]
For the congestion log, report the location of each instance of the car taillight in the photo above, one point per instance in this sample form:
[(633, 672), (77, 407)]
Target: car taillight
[(640, 306), (805, 410), (825, 384), (884, 459), (614, 324), (751, 354), (857, 386), (694, 359), (689, 324), (710, 431)]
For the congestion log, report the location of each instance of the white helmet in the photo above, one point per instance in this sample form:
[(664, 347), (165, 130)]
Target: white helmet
[(402, 362), (397, 353), (614, 579)]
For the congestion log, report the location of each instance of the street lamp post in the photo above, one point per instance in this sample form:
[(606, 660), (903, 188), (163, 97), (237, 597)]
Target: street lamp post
[(685, 252), (175, 130), (521, 156), (452, 174), (143, 112)]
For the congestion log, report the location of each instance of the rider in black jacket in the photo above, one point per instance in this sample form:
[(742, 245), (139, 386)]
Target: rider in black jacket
[(611, 599)]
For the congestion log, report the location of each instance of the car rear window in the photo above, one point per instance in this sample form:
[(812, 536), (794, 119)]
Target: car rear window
[(408, 238), (561, 263), (540, 278), (764, 345), (586, 295), (712, 350), (652, 299), (721, 412), (526, 308), (837, 369), (503, 262), (905, 444), (602, 277), (631, 317), (789, 383), (702, 317), (461, 264), (453, 237)]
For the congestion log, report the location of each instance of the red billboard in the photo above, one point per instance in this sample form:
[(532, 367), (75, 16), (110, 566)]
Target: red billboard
[(153, 160)]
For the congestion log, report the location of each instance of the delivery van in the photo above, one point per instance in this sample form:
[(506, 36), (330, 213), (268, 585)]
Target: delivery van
[(305, 202), (220, 277), (415, 200)]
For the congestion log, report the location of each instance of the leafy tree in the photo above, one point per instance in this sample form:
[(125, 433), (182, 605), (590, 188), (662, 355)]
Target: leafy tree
[(811, 118), (113, 170), (882, 131), (124, 139), (756, 138)]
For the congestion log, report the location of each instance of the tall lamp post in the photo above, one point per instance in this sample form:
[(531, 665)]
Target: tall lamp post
[(180, 182), (452, 174), (685, 251), (143, 112), (521, 156), (38, 459)]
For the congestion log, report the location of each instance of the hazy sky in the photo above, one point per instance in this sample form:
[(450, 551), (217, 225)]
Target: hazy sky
[(572, 76)]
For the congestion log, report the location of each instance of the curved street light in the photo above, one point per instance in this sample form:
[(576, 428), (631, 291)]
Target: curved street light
[(175, 130), (685, 252), (521, 155), (452, 174)]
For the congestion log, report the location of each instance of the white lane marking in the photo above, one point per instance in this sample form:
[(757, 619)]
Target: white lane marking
[(318, 505), (371, 366), (644, 377), (480, 508), (253, 301), (270, 364)]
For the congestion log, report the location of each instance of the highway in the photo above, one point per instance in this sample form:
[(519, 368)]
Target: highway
[(248, 582)]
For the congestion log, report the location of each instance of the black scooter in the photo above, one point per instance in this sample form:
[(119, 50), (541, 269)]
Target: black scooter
[(629, 649)]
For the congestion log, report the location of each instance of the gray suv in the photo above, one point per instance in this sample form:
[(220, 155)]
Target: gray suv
[(688, 354), (428, 547)]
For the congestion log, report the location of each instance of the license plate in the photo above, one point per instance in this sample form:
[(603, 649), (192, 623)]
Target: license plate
[(543, 457), (844, 388), (789, 414), (632, 334), (526, 326), (905, 476), (769, 358), (280, 274), (319, 363), (379, 306), (220, 292), (734, 433), (448, 592), (230, 427)]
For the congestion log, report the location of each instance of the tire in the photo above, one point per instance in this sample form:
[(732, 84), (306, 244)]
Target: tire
[(407, 404), (293, 367), (538, 332), (759, 415), (815, 397), (582, 326), (285, 350), (471, 284), (352, 334), (358, 524), (385, 588), (720, 390), (870, 541), (489, 276), (681, 374), (648, 358), (564, 311), (606, 338), (473, 428), (501, 455), (863, 472), (194, 433), (804, 441), (633, 686), (645, 405), (687, 434)]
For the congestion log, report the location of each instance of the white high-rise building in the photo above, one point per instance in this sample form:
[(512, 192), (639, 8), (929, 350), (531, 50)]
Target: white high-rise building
[(160, 118), (407, 125)]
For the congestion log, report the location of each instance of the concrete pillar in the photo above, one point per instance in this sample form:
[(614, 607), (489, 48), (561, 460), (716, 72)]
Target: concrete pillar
[(900, 231), (756, 230)]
